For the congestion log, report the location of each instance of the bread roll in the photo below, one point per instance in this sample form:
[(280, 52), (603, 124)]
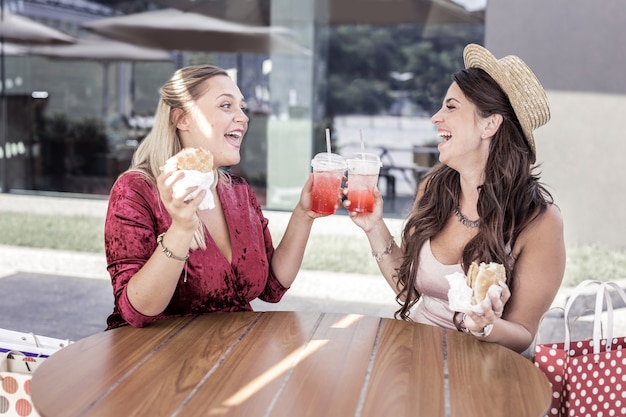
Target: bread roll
[(194, 159), (481, 277)]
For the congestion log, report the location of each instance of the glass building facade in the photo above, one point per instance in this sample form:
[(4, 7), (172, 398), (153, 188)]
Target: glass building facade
[(72, 125)]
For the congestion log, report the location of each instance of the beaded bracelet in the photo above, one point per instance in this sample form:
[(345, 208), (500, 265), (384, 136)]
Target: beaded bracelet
[(379, 256)]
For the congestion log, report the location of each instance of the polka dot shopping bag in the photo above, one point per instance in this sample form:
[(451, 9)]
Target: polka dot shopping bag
[(15, 395), (15, 375), (588, 377)]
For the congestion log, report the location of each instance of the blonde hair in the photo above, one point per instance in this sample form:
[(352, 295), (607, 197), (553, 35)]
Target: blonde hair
[(181, 91)]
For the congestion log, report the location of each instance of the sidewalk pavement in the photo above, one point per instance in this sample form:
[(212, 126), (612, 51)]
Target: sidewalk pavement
[(68, 295)]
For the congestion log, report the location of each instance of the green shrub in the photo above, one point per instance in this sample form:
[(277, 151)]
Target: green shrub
[(325, 252)]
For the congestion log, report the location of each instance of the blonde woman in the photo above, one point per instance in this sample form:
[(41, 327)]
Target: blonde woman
[(483, 203), (166, 257)]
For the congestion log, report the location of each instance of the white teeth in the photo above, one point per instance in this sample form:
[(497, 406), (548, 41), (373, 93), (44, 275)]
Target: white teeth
[(236, 135), (445, 135)]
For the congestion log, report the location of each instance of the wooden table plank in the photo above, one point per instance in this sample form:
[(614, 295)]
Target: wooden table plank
[(474, 365), (407, 378), (179, 366), (95, 364), (248, 380), (328, 379)]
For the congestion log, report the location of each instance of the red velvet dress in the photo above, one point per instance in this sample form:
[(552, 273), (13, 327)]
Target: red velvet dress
[(136, 217)]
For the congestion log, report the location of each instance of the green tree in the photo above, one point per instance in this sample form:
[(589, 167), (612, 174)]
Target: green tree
[(362, 58)]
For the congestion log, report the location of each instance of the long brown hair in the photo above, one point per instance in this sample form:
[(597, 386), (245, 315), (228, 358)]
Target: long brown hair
[(510, 197)]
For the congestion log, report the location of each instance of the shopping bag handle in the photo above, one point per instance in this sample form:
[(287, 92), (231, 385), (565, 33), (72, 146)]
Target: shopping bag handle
[(568, 305), (604, 294), (597, 320)]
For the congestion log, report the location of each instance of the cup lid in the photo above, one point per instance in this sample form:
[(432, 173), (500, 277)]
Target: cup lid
[(366, 157), (328, 161)]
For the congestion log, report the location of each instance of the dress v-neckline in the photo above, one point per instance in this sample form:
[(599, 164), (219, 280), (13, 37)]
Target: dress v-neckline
[(227, 221)]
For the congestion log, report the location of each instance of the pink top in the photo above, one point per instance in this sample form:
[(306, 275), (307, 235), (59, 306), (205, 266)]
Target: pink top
[(136, 217), (431, 282)]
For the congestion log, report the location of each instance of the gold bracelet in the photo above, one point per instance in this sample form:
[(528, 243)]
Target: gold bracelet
[(168, 252), (379, 256)]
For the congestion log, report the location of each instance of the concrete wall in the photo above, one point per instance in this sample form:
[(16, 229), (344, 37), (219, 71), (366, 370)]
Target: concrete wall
[(572, 45), (583, 156), (578, 50)]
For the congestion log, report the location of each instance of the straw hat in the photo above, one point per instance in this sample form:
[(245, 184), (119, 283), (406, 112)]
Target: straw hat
[(525, 93)]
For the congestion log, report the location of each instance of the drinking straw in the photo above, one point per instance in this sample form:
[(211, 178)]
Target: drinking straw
[(328, 142), (362, 144)]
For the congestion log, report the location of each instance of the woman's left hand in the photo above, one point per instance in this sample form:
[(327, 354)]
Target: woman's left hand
[(492, 308), (366, 221)]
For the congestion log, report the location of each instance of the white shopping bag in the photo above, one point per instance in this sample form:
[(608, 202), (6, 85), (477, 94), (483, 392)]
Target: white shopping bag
[(29, 343)]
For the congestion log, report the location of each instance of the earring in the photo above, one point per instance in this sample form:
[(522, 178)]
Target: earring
[(483, 136)]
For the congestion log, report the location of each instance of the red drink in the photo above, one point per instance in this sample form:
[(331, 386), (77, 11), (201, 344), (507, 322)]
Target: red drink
[(361, 201), (362, 179), (325, 191)]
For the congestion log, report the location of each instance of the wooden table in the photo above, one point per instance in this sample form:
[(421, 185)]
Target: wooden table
[(292, 364)]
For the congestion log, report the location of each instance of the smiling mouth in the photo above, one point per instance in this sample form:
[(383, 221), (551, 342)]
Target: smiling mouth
[(444, 135), (234, 137)]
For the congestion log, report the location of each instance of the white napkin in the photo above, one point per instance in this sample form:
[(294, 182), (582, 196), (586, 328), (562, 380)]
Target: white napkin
[(204, 181), (460, 294)]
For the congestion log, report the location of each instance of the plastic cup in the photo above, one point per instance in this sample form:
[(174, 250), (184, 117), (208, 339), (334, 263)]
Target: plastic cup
[(328, 172), (363, 172)]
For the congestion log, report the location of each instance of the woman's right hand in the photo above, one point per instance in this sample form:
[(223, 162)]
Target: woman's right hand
[(366, 221), (183, 213)]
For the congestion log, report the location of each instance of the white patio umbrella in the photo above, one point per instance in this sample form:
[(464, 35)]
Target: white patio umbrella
[(340, 12), (20, 29), (394, 12), (94, 47), (177, 30), (12, 49), (249, 12)]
